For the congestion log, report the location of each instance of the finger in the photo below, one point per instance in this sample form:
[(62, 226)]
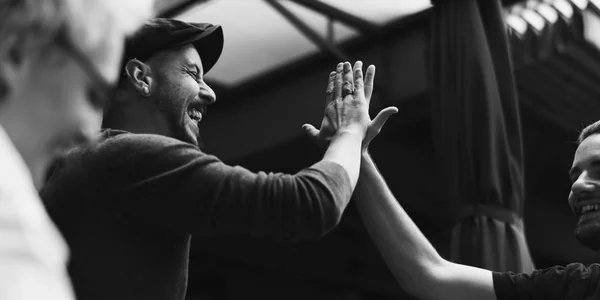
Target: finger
[(357, 64), (369, 79), (358, 78), (348, 86), (338, 81), (347, 72), (329, 94), (311, 131), (346, 89), (382, 117)]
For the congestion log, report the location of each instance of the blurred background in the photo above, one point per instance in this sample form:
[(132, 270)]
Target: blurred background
[(271, 79)]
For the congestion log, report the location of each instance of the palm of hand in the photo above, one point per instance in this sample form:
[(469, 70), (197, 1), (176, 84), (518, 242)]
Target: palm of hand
[(357, 96)]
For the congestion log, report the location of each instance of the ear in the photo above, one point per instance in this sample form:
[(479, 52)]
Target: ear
[(140, 76), (5, 80), (12, 62)]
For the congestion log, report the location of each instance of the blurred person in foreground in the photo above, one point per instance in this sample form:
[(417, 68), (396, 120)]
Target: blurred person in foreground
[(422, 272), (58, 61), (129, 205)]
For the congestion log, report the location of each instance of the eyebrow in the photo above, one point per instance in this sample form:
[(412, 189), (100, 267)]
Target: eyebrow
[(576, 169), (191, 64), (573, 171)]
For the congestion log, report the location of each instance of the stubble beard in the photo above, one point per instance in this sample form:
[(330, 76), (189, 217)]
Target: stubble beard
[(587, 232), (166, 103)]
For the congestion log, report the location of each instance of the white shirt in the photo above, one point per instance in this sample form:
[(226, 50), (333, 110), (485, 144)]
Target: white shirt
[(33, 254)]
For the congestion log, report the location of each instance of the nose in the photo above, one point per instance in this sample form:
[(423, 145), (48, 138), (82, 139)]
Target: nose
[(583, 185), (90, 124), (206, 94)]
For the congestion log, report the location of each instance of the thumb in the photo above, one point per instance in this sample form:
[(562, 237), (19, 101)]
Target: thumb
[(311, 131), (382, 117)]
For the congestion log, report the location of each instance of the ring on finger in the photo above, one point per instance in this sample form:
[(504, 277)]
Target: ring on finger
[(347, 88)]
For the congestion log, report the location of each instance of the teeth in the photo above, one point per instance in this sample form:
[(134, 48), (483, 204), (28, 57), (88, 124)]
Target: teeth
[(588, 208), (195, 114)]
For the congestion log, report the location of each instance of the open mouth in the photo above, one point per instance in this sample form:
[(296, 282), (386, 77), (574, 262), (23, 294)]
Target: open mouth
[(196, 113), (589, 208)]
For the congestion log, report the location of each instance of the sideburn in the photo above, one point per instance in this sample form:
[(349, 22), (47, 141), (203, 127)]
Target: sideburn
[(170, 98)]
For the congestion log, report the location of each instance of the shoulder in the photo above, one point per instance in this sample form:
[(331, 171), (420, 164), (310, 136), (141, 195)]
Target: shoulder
[(142, 142), (114, 146), (573, 281), (117, 152), (149, 152), (573, 271)]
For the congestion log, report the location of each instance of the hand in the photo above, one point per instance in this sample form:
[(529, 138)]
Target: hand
[(346, 108), (361, 90)]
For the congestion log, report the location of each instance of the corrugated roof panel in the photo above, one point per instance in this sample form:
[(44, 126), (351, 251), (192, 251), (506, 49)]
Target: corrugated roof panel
[(258, 39), (380, 12)]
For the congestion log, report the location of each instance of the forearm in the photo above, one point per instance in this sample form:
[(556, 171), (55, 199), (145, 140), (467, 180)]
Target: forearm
[(306, 205), (345, 149), (411, 258), (287, 207), (406, 251), (187, 190)]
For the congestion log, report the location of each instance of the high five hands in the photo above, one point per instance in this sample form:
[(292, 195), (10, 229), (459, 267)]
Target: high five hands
[(347, 100)]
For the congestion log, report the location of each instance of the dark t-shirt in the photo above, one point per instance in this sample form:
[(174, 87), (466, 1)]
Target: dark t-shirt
[(128, 206), (573, 282)]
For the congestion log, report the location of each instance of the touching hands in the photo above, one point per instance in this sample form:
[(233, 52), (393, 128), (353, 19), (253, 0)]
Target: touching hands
[(347, 102), (346, 109)]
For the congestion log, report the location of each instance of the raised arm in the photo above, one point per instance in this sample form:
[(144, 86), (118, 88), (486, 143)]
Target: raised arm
[(345, 119), (408, 254), (187, 190), (411, 258)]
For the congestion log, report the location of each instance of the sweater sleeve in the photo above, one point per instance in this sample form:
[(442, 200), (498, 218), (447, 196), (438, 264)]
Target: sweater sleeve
[(572, 282), (172, 184)]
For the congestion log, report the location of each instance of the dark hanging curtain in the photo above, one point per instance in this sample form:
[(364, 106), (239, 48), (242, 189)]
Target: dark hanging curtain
[(477, 135)]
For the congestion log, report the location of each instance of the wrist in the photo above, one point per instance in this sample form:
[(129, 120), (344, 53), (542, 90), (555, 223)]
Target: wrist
[(365, 158), (351, 131), (364, 153)]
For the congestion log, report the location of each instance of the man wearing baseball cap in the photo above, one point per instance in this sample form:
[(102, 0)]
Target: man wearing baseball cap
[(129, 204)]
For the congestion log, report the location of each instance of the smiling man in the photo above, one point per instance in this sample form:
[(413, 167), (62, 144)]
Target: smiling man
[(421, 271), (584, 198), (129, 205)]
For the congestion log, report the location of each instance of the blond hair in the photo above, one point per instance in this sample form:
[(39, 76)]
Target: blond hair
[(34, 24)]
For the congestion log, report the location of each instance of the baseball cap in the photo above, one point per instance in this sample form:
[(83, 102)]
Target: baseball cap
[(162, 34)]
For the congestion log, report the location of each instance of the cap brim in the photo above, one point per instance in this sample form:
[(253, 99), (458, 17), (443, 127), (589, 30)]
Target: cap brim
[(209, 45)]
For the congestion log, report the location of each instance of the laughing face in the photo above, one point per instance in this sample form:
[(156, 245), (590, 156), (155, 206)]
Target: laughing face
[(584, 198), (181, 93)]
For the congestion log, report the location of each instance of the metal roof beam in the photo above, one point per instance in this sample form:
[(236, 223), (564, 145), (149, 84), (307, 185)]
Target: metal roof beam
[(312, 35), (179, 8), (340, 15)]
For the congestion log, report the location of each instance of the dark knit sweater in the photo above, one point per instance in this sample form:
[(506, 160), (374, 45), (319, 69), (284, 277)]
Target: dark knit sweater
[(129, 204), (572, 282)]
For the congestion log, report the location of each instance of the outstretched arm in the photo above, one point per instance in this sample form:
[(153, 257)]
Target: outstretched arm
[(348, 96), (411, 258), (345, 119), (166, 182)]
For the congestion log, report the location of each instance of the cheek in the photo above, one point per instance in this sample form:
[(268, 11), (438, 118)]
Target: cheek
[(108, 58), (571, 200), (182, 96), (67, 107)]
